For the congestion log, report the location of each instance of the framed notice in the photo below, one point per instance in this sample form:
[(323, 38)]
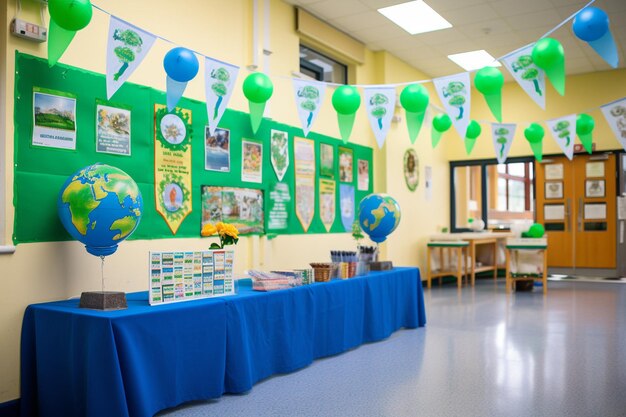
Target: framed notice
[(595, 211), (594, 188), (554, 171), (594, 169), (553, 212), (184, 276), (554, 189)]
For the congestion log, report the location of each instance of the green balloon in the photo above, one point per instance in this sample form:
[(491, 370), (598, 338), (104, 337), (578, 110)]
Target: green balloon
[(534, 133), (346, 99), (489, 80), (536, 230), (473, 130), (72, 15), (442, 122), (548, 52), (584, 124), (257, 87), (414, 98)]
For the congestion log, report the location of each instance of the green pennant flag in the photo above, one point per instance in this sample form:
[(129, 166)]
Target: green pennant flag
[(537, 148), (346, 122), (58, 41), (256, 114), (469, 145), (414, 124)]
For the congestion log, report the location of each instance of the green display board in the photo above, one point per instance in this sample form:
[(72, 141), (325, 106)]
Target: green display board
[(41, 171)]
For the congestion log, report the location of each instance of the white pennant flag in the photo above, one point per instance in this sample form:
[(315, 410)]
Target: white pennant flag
[(219, 82), (529, 76), (127, 46), (563, 131), (502, 134), (309, 98), (615, 115), (454, 93), (380, 103)]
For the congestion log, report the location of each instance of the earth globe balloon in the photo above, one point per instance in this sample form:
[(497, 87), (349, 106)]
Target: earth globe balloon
[(100, 206), (379, 216)]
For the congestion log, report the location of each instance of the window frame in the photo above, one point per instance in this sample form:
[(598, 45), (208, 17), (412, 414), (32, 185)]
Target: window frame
[(304, 63), (483, 163)]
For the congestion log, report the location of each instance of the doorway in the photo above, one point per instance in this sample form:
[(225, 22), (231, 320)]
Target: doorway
[(576, 202)]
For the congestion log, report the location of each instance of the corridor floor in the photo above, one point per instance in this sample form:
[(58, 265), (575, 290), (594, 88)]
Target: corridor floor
[(482, 353)]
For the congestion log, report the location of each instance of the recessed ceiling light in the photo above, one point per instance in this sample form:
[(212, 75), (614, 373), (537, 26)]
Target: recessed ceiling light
[(415, 17), (474, 60)]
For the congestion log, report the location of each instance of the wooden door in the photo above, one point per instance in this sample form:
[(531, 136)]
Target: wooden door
[(554, 180), (595, 205)]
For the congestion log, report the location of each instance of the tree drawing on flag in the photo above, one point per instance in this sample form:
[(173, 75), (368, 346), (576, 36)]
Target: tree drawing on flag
[(501, 133), (126, 53), (379, 111), (562, 129), (222, 76), (455, 90), (531, 73), (311, 95)]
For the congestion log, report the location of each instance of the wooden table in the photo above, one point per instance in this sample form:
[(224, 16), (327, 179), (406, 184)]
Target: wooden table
[(490, 239), (513, 246), (458, 246)]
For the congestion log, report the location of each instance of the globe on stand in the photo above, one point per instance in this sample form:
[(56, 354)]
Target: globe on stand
[(379, 216), (100, 206)]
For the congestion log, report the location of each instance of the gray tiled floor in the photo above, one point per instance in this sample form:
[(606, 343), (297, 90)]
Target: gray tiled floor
[(483, 353)]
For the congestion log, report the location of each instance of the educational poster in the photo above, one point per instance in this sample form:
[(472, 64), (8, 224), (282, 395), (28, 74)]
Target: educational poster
[(454, 93), (364, 174), (304, 154), (241, 207), (346, 204), (280, 206), (279, 152), (112, 130), (217, 150), (327, 160), (183, 276), (346, 169), (54, 119), (615, 115), (172, 164), (411, 169), (327, 203), (251, 161), (127, 46)]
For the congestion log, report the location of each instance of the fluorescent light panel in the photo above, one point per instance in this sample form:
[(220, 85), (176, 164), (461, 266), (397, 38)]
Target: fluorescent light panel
[(474, 60), (415, 17)]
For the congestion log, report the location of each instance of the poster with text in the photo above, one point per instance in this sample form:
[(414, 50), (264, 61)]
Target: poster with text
[(327, 202), (327, 160), (279, 206), (54, 119), (346, 165), (172, 164), (241, 207), (346, 204), (279, 152), (364, 174), (251, 161), (112, 130), (217, 150), (304, 155)]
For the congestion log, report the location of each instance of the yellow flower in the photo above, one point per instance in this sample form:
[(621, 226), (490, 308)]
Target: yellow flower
[(208, 230)]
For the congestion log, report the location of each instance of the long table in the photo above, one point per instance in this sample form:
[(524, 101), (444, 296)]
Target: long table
[(135, 362)]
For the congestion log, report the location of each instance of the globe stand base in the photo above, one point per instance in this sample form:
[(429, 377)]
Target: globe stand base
[(381, 266), (103, 300)]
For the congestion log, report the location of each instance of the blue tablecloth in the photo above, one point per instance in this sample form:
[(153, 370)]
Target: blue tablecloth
[(135, 362)]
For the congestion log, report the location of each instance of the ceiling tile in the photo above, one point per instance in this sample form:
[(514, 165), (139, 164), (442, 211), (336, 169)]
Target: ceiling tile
[(468, 15), (481, 29), (445, 5), (331, 9), (543, 18), (379, 4), (440, 36), (506, 8)]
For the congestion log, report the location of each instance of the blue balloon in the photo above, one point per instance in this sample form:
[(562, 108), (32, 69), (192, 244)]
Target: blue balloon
[(379, 215), (181, 64), (591, 24)]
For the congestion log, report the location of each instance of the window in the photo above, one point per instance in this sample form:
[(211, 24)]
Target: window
[(322, 68), (500, 195)]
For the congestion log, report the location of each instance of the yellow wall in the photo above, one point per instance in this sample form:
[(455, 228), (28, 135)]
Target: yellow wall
[(50, 271)]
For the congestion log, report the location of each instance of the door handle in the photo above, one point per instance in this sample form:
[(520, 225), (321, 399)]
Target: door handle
[(580, 214)]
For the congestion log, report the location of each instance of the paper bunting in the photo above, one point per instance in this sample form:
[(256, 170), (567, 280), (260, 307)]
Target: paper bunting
[(563, 131), (615, 115), (219, 79), (529, 76), (127, 46), (502, 134), (380, 104), (309, 97), (454, 93)]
